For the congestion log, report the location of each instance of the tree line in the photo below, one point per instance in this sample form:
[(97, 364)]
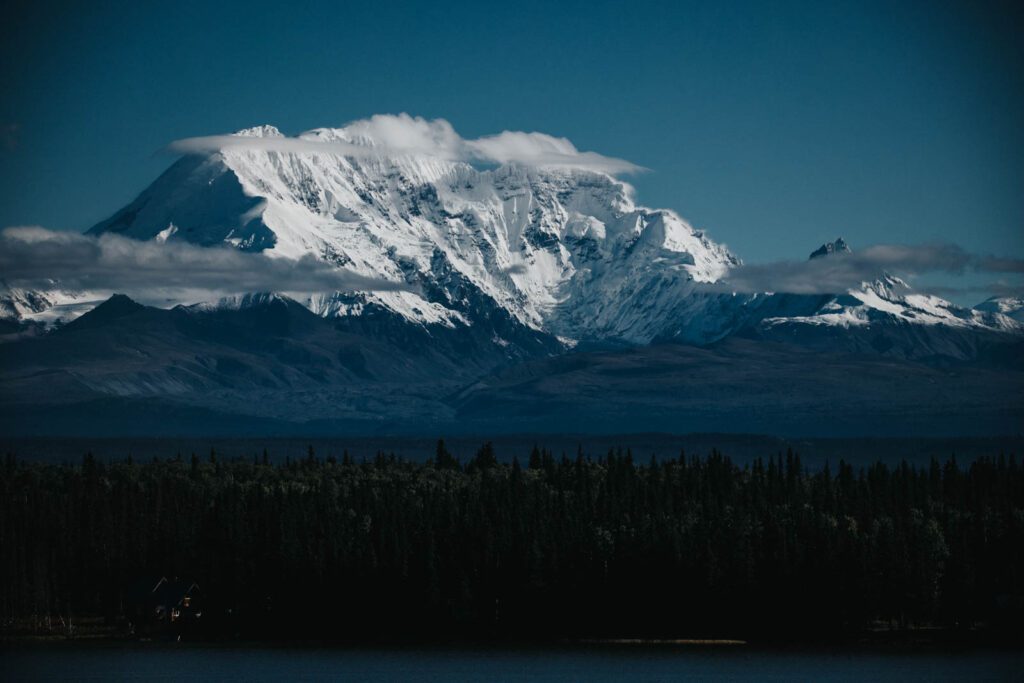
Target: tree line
[(553, 547)]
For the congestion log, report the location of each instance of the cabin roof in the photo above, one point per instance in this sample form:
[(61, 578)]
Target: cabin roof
[(162, 591)]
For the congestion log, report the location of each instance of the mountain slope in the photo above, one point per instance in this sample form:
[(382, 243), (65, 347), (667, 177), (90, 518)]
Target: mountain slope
[(264, 364), (261, 355), (739, 385)]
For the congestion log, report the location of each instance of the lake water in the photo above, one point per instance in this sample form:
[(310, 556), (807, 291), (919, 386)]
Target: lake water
[(165, 663)]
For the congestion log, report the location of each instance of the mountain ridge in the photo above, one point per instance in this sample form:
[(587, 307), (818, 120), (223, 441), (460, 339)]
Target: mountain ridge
[(563, 251)]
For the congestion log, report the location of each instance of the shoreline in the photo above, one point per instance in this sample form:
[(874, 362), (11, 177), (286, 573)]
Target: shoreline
[(912, 640)]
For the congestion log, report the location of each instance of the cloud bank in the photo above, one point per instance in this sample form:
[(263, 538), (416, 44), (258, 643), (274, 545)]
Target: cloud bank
[(34, 257), (842, 271), (404, 135)]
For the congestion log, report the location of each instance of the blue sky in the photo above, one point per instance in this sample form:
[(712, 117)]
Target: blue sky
[(774, 126)]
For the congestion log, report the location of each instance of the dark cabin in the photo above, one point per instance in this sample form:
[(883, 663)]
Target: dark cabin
[(161, 605)]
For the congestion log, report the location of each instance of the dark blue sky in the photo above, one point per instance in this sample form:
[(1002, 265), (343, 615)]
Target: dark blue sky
[(775, 126)]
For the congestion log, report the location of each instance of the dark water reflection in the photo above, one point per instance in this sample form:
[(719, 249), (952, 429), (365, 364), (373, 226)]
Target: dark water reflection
[(164, 663)]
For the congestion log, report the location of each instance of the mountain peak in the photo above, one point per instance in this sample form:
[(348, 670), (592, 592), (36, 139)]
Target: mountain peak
[(117, 306), (1009, 306), (838, 247), (240, 302)]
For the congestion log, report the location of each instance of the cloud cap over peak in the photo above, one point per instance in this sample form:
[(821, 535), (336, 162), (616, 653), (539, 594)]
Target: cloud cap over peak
[(384, 135)]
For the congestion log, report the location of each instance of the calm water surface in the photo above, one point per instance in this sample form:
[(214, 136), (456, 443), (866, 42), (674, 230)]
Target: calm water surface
[(613, 664)]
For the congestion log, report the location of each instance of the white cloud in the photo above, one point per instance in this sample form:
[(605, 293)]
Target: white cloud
[(33, 257), (842, 271), (407, 135), (539, 149)]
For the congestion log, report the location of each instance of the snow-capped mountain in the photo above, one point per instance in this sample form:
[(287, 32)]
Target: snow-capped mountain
[(1012, 307), (49, 306), (885, 315), (891, 300), (562, 250), (524, 253), (17, 303)]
